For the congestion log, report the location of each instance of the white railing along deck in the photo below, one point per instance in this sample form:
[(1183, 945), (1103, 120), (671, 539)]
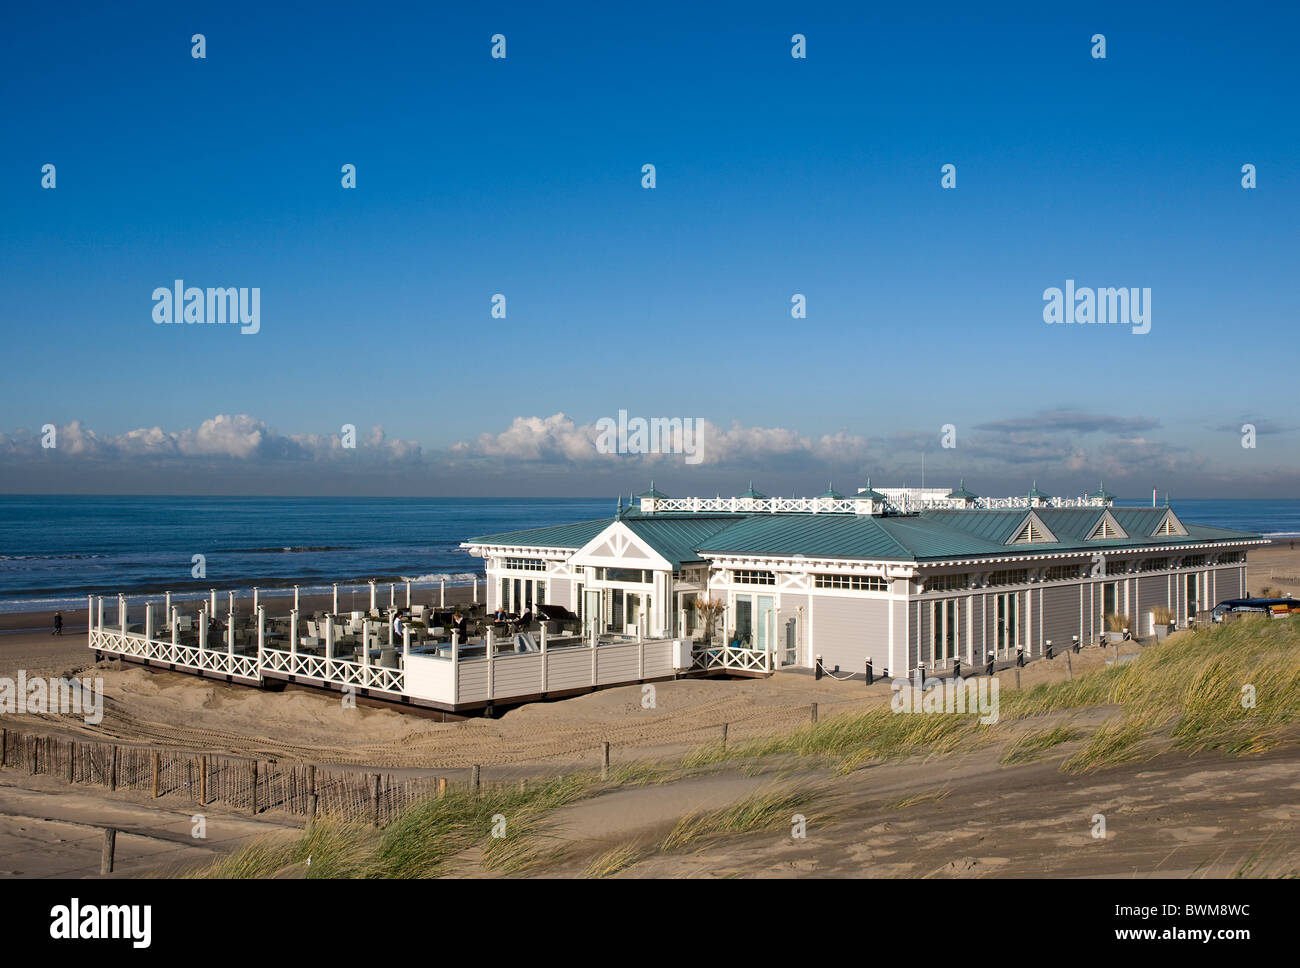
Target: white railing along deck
[(729, 657), (342, 671), (206, 660)]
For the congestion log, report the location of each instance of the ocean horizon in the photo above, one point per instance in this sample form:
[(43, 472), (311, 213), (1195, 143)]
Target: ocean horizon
[(56, 550)]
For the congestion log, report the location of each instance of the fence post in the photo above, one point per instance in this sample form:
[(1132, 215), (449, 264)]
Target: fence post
[(112, 770), (474, 777), (604, 759), (724, 735), (107, 851), (1069, 671), (254, 772), (157, 757), (4, 748), (814, 712), (203, 780), (442, 787), (374, 796), (312, 796), (72, 762)]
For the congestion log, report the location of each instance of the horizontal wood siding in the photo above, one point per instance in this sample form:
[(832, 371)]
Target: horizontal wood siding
[(1060, 618), (570, 670), (473, 681), (517, 675), (559, 591), (848, 631), (618, 663)]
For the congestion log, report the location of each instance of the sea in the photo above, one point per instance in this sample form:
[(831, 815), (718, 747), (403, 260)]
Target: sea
[(56, 550)]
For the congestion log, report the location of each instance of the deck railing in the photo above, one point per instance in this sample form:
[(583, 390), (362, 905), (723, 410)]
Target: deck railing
[(186, 656), (733, 658)]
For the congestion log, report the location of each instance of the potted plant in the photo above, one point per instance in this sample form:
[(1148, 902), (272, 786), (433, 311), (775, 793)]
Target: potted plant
[(1115, 626), (1163, 620), (709, 609)]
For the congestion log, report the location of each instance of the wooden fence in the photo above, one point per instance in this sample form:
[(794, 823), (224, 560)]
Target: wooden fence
[(237, 782)]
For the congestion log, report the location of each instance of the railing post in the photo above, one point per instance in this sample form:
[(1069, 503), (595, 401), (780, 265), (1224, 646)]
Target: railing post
[(167, 609), (261, 635), (256, 603), (406, 644), (293, 634), (372, 595), (176, 632), (335, 609), (212, 601), (329, 638), (90, 621), (442, 593), (295, 598), (230, 632), (455, 668), (121, 612), (392, 595), (491, 678), (231, 595), (100, 622), (546, 660), (148, 621), (203, 633), (408, 594), (475, 584)]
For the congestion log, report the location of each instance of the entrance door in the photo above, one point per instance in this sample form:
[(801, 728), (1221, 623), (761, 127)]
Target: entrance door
[(1008, 623), (765, 624), (1193, 598), (791, 651), (744, 630)]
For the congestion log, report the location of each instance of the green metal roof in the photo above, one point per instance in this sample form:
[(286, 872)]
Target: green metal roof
[(681, 537), (677, 537), (869, 493)]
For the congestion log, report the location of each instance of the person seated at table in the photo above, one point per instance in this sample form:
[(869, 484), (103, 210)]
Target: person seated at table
[(500, 616), (459, 627), (526, 619)]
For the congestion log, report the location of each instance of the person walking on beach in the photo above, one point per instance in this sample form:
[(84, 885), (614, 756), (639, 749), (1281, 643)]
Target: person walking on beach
[(58, 624)]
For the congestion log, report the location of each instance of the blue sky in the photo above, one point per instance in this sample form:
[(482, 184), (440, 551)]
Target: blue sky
[(774, 176)]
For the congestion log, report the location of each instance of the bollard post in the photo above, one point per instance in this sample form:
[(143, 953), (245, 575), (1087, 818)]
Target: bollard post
[(1074, 639), (988, 667), (871, 675), (1020, 658), (1048, 652), (817, 672), (107, 851), (1017, 678), (956, 668)]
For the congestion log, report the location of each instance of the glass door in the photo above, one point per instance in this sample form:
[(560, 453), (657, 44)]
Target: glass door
[(766, 624), (791, 656), (1008, 619)]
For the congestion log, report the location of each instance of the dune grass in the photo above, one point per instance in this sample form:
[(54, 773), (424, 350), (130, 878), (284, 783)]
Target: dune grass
[(1029, 746), (761, 810)]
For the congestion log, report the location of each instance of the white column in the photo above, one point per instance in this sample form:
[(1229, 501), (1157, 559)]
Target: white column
[(148, 620), (212, 601), (168, 609), (329, 636), (293, 631), (203, 629), (295, 598), (406, 642), (261, 633), (392, 596), (408, 594), (232, 603), (230, 632), (372, 594), (121, 612), (100, 622), (475, 588), (442, 593), (546, 662), (336, 600), (256, 606), (90, 620)]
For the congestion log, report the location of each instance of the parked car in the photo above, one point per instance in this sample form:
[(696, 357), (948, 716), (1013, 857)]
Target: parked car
[(1277, 607)]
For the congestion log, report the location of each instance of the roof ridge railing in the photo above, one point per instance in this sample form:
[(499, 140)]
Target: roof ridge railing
[(904, 504)]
